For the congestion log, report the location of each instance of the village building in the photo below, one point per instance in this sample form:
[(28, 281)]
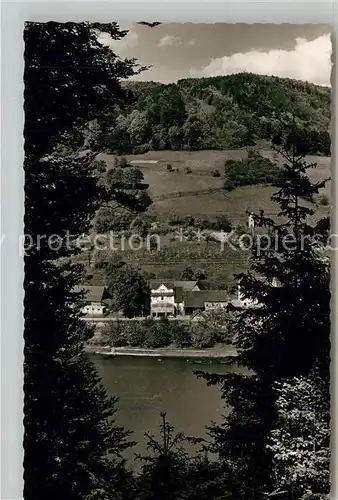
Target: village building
[(205, 300), (93, 299), (166, 298), (198, 316), (251, 222)]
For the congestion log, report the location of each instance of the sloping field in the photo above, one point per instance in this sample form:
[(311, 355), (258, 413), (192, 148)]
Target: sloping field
[(186, 194), (201, 162), (234, 205)]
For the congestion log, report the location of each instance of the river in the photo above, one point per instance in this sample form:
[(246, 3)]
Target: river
[(147, 387)]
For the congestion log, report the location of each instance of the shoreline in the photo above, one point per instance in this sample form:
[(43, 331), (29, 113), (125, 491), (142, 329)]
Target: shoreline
[(163, 352)]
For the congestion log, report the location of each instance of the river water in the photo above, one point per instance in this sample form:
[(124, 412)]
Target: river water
[(147, 386)]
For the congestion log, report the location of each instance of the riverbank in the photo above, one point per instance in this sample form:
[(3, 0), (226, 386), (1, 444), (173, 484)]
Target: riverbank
[(169, 352)]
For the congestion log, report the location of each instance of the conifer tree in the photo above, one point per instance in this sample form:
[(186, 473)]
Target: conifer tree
[(171, 473), (287, 334), (72, 446)]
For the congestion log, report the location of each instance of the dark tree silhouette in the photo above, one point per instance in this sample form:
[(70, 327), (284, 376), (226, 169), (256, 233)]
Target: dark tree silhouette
[(286, 336), (72, 446)]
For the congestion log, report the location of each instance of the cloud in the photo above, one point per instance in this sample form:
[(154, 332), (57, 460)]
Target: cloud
[(309, 60), (170, 41), (125, 43)]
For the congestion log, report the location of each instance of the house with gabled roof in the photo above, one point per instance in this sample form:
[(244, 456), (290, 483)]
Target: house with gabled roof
[(167, 296), (199, 316), (205, 300), (93, 297)]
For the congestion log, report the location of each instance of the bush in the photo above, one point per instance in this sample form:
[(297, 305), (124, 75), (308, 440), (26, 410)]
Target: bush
[(180, 334), (158, 335), (123, 162), (115, 334), (188, 170), (175, 220), (188, 220), (112, 220), (141, 149), (201, 335), (254, 170), (170, 167), (136, 334), (201, 275), (100, 166), (203, 223), (222, 224), (187, 274), (216, 173)]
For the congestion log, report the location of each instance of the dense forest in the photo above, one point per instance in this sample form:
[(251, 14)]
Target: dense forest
[(223, 112)]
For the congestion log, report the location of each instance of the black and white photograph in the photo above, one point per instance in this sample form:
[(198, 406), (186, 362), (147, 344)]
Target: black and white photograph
[(177, 261)]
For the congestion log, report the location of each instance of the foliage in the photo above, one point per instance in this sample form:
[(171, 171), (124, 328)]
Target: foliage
[(254, 170), (149, 333), (164, 468), (283, 338), (169, 472), (180, 334), (202, 337), (223, 112), (185, 221), (188, 273), (72, 445), (219, 223), (210, 330), (155, 333), (100, 166), (143, 224), (159, 334), (127, 287), (300, 438), (108, 219)]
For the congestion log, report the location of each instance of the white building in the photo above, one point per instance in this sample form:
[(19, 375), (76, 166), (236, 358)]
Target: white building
[(92, 300), (167, 297), (251, 222)]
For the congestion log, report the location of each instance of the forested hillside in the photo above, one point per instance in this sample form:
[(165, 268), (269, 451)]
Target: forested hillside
[(223, 112)]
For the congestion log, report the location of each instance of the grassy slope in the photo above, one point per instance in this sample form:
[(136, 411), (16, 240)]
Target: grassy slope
[(168, 185), (175, 256)]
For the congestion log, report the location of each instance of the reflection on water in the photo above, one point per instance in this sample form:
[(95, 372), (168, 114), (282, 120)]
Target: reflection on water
[(146, 387)]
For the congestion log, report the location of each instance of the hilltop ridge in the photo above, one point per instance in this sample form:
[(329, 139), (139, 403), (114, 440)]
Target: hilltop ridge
[(221, 112)]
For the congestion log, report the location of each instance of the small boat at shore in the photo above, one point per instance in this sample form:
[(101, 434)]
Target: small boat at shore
[(225, 361), (198, 361), (108, 355)]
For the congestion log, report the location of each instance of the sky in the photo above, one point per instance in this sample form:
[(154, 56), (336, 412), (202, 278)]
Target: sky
[(176, 51)]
